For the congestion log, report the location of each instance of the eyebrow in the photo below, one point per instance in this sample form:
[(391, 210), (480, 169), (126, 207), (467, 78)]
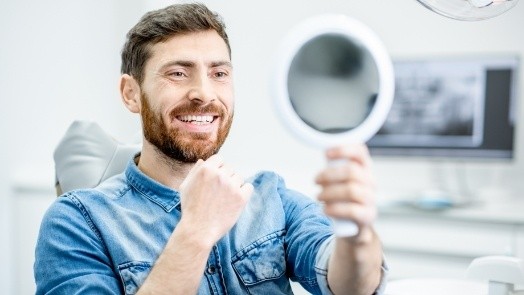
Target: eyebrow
[(190, 64), (221, 63)]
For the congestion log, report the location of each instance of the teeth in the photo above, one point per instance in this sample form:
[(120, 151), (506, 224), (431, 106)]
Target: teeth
[(196, 119)]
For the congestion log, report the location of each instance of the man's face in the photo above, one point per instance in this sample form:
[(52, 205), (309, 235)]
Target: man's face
[(187, 96)]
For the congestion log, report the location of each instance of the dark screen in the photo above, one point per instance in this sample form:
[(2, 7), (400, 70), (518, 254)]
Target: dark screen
[(497, 126)]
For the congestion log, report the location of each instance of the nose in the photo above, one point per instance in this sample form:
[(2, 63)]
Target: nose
[(202, 90)]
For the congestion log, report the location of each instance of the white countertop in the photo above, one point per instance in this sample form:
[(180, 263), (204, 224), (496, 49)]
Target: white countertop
[(503, 210)]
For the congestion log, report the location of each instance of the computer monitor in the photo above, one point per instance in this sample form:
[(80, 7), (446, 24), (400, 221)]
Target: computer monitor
[(450, 111), (460, 107)]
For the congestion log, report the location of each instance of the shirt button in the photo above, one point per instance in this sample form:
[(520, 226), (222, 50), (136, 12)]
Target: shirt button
[(211, 269)]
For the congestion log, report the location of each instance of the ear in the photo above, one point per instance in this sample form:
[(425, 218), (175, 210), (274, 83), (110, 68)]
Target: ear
[(130, 93)]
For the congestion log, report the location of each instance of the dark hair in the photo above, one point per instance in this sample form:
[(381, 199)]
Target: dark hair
[(159, 25)]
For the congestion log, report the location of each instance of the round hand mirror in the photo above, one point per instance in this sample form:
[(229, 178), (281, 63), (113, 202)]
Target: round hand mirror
[(334, 85)]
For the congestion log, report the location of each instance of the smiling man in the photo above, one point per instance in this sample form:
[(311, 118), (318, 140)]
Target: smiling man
[(179, 220)]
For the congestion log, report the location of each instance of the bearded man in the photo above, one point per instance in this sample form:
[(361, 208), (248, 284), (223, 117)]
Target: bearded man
[(179, 219)]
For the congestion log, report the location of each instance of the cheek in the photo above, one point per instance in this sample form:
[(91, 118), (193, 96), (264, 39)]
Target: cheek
[(228, 99), (230, 105), (160, 100)]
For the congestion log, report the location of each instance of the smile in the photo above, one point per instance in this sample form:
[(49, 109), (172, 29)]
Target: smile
[(198, 120)]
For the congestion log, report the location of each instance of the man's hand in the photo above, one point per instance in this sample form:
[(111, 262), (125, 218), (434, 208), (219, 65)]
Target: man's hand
[(213, 197), (348, 190)]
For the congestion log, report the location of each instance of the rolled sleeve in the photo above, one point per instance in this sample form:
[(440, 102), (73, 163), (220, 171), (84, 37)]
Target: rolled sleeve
[(322, 263), (381, 289)]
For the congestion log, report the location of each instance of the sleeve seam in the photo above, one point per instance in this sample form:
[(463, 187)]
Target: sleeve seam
[(87, 217)]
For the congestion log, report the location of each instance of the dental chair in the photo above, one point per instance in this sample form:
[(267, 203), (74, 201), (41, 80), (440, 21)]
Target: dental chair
[(87, 155)]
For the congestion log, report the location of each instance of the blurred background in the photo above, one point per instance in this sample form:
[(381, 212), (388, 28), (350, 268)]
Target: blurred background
[(60, 61)]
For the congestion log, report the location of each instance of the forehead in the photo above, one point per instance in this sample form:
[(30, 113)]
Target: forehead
[(206, 46)]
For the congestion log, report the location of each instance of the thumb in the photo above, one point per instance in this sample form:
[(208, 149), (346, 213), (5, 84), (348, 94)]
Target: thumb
[(191, 172)]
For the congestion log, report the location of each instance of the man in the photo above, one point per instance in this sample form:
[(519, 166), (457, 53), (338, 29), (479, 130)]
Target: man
[(179, 220)]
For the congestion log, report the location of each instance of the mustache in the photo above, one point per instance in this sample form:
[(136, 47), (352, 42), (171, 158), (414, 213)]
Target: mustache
[(192, 108)]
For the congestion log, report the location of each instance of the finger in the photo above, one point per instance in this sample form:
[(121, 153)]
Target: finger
[(361, 214), (193, 170), (352, 192), (345, 173), (355, 152), (227, 170), (237, 180), (215, 161)]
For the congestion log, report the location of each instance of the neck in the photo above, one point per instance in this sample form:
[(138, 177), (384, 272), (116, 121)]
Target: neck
[(161, 168)]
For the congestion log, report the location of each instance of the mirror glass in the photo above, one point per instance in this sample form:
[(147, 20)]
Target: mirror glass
[(332, 83)]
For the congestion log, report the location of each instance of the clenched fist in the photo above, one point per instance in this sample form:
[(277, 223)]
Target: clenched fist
[(348, 190), (213, 197)]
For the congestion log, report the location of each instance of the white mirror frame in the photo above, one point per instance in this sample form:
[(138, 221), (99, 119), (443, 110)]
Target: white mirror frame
[(356, 32)]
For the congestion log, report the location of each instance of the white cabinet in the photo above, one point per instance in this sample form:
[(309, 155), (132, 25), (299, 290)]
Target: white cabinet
[(442, 243), (28, 206), (520, 241)]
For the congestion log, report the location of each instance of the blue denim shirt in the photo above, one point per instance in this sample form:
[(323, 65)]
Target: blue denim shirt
[(106, 240)]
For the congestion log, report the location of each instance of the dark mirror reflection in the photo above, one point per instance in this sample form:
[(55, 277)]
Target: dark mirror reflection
[(333, 83)]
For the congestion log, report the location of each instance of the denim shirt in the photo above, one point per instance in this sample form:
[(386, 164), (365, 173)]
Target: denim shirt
[(106, 240)]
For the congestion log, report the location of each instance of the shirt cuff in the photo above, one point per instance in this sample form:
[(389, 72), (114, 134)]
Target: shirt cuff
[(321, 268)]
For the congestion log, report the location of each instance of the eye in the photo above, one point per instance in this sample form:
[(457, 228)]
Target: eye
[(177, 74), (220, 74)]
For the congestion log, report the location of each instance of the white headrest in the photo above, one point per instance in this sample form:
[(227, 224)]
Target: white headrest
[(87, 155)]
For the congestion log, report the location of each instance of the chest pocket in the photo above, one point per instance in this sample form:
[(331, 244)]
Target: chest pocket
[(261, 266), (133, 274)]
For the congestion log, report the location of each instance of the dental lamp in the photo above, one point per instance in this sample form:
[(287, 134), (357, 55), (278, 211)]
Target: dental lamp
[(469, 10)]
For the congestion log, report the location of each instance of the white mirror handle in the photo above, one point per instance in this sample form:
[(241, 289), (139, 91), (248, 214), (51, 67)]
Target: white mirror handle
[(342, 227)]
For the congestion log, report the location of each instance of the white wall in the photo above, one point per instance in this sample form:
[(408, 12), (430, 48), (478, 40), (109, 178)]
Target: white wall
[(59, 61)]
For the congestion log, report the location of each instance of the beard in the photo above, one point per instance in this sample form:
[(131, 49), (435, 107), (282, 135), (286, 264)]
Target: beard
[(180, 145)]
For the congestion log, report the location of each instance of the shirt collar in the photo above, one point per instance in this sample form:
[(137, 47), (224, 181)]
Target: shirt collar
[(156, 192)]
